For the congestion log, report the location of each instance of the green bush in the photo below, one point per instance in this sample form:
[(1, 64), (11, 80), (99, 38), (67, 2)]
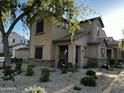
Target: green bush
[(105, 66), (76, 88), (45, 74), (88, 81), (16, 60), (69, 67), (30, 70), (111, 62), (91, 73), (8, 73), (18, 67)]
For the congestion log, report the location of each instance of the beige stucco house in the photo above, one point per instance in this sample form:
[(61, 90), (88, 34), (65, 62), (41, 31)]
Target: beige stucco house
[(113, 50), (51, 45)]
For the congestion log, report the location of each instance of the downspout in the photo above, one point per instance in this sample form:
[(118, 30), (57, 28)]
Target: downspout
[(97, 49)]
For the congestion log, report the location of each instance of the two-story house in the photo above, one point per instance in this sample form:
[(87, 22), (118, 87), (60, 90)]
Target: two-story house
[(16, 41), (51, 45)]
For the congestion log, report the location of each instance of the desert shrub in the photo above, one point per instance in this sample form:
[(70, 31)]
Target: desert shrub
[(45, 74), (111, 62), (15, 60), (114, 63), (76, 88), (91, 73), (30, 70), (8, 73), (105, 66), (75, 67), (18, 67), (88, 81), (34, 89), (69, 67)]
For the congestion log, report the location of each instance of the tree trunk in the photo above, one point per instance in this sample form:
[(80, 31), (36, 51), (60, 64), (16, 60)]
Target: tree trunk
[(6, 51)]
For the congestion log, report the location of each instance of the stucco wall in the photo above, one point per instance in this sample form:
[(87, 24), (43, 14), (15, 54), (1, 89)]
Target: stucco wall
[(57, 31), (24, 54), (41, 39), (18, 39), (12, 50), (82, 42), (92, 51)]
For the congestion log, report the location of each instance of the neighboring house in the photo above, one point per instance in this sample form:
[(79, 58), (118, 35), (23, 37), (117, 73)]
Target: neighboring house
[(13, 48), (113, 50), (15, 41), (22, 53), (121, 46), (52, 45)]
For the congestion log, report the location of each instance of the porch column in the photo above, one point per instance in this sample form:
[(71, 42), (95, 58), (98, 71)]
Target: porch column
[(71, 53), (112, 55), (56, 55)]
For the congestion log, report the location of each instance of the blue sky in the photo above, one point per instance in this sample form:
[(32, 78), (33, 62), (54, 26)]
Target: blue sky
[(111, 11)]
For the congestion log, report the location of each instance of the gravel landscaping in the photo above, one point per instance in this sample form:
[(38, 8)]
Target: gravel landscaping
[(59, 83)]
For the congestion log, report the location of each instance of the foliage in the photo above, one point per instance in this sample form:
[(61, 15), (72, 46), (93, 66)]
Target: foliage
[(106, 66), (121, 44), (114, 63), (121, 60), (76, 88), (18, 67), (8, 73), (111, 62), (45, 74), (16, 60), (34, 89), (69, 67), (91, 73), (88, 81), (30, 70)]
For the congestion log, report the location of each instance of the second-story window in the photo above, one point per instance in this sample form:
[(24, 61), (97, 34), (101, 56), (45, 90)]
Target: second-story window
[(98, 30), (13, 40), (39, 26), (98, 27)]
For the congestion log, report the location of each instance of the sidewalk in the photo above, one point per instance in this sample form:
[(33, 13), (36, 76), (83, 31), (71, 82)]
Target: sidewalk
[(117, 86)]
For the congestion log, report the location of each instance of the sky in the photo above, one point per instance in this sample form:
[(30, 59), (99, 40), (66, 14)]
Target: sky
[(111, 12)]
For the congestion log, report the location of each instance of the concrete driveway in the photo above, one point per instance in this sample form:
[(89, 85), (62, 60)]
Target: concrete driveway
[(117, 86)]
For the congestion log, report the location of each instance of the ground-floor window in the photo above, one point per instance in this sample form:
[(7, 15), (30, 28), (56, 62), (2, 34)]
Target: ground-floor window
[(38, 52)]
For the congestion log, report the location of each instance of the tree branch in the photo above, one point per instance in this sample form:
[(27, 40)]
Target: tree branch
[(1, 26), (14, 23)]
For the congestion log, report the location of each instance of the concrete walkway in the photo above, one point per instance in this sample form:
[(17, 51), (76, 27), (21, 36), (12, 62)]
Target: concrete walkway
[(117, 86)]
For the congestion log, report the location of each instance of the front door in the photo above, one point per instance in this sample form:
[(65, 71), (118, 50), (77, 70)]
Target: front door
[(63, 58)]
